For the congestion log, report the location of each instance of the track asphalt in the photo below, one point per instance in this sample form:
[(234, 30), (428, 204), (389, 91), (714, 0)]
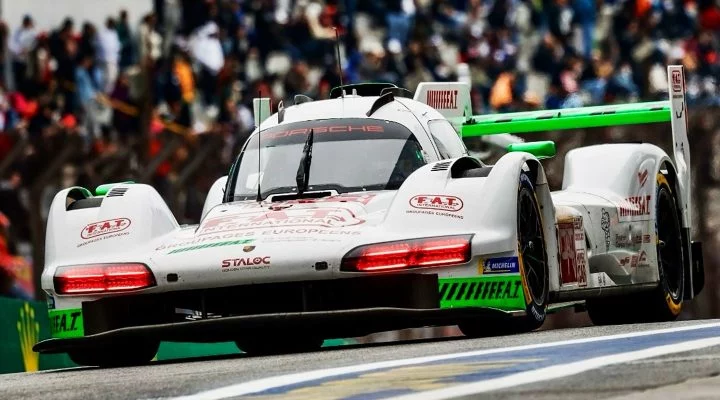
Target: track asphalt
[(679, 360)]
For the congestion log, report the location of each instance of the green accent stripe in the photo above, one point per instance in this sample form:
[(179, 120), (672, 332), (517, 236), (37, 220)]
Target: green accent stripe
[(66, 323), (210, 245), (497, 291), (570, 118)]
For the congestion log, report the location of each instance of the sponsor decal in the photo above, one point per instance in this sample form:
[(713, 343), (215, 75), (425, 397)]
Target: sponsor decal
[(301, 231), (642, 260), (442, 99), (363, 199), (437, 202), (568, 255), (66, 323), (646, 239), (206, 239), (635, 206), (601, 279), (325, 217), (211, 245), (581, 268), (642, 177), (29, 333), (288, 239), (628, 261), (679, 113), (629, 240), (432, 204), (440, 213), (605, 226), (95, 229), (320, 130), (504, 292), (677, 82), (499, 265), (245, 263), (578, 223)]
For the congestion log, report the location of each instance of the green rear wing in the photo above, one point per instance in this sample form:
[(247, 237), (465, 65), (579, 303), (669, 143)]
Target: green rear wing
[(569, 118)]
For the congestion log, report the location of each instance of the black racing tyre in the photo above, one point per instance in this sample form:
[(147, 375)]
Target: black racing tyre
[(264, 345), (121, 354), (665, 302), (533, 264)]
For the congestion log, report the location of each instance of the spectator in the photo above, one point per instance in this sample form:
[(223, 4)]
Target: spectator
[(125, 38), (150, 41), (109, 55), (20, 46), (87, 93), (207, 51)]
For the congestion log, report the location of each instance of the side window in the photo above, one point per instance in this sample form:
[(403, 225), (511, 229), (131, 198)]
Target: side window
[(447, 140)]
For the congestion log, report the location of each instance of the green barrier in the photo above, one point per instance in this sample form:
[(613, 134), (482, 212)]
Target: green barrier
[(24, 323)]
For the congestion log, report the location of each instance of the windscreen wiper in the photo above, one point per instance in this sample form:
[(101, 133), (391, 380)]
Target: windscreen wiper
[(303, 173)]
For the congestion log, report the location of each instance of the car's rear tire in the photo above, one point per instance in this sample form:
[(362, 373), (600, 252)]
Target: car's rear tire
[(533, 265), (263, 345), (120, 354), (665, 302)]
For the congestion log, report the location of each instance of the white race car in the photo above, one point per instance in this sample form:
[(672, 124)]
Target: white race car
[(364, 213)]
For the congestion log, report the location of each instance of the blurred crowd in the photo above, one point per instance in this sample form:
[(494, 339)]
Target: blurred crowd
[(119, 91)]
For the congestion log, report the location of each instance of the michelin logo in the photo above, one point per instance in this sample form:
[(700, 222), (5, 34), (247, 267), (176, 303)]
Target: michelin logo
[(501, 265)]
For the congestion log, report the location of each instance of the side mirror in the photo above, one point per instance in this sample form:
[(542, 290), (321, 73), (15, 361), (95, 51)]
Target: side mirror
[(542, 149), (215, 195)]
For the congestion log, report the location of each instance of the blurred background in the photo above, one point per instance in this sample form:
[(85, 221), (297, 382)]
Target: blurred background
[(160, 92)]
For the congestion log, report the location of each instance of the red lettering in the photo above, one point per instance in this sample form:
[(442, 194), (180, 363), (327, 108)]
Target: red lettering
[(375, 128), (299, 131), (335, 129), (276, 215), (451, 201), (357, 128), (436, 200), (421, 199), (320, 129)]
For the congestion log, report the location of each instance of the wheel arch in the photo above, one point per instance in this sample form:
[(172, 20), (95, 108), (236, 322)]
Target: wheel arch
[(691, 284), (547, 211)]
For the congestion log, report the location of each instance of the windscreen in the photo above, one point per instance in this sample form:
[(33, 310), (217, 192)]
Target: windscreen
[(348, 155)]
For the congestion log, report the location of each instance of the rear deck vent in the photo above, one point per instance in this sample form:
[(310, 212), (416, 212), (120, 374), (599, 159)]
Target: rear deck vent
[(441, 166), (117, 192)]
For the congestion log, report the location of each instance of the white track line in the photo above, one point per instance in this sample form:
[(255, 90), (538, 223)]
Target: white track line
[(260, 385), (557, 371)]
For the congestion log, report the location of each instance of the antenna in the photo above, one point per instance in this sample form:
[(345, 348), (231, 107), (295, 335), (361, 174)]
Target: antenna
[(339, 64), (259, 195)]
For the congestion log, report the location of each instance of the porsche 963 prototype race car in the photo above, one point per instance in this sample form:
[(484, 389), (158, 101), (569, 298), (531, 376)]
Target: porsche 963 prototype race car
[(365, 213)]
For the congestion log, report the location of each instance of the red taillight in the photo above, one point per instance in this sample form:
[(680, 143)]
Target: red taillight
[(102, 278), (428, 252)]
